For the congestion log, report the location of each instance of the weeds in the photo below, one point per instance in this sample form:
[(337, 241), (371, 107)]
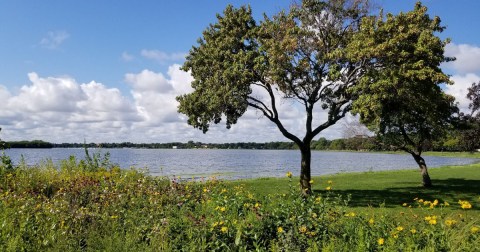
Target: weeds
[(90, 205)]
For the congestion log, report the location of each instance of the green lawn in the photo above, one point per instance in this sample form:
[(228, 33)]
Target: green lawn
[(453, 154), (460, 154), (391, 188)]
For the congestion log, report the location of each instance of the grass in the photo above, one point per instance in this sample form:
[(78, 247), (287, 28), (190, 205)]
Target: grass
[(389, 188), (453, 154), (91, 205), (459, 154)]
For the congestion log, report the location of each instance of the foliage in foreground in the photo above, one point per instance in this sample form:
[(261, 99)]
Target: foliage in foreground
[(77, 206)]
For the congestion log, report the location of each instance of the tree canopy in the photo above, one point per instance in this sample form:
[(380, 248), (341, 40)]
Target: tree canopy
[(324, 55), (470, 123), (399, 97), (298, 55)]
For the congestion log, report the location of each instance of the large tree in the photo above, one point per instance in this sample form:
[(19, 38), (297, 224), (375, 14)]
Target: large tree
[(470, 123), (400, 96), (299, 54)]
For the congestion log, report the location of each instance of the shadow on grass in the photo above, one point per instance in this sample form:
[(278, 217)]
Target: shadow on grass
[(450, 190)]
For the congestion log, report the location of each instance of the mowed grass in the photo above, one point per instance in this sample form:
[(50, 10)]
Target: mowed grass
[(458, 154), (453, 154), (388, 188)]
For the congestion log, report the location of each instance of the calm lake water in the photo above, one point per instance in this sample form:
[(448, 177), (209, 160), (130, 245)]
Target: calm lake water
[(234, 164)]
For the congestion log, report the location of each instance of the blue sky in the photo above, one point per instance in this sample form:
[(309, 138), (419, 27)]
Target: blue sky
[(108, 72)]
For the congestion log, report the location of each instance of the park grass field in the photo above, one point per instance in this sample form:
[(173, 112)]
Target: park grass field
[(387, 188), (88, 205)]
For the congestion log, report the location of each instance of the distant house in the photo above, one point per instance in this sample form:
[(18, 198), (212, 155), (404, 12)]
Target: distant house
[(174, 147)]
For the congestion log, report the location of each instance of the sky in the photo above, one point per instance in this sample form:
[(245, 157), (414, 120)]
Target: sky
[(109, 71)]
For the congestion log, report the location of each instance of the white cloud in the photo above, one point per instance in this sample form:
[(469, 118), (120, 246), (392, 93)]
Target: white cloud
[(127, 57), (459, 89), (49, 107), (54, 39), (162, 57), (148, 81), (467, 58), (59, 109), (154, 94), (47, 94)]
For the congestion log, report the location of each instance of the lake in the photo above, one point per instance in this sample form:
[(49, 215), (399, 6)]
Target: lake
[(235, 164)]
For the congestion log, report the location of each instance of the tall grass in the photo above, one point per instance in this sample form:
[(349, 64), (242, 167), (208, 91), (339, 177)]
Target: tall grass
[(84, 205)]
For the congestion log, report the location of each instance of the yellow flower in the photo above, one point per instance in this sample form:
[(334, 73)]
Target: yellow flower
[(474, 229), (446, 203), (289, 174), (420, 200), (405, 204), (311, 181), (329, 182), (302, 229), (222, 209), (435, 202), (279, 230), (381, 241), (257, 205), (351, 214), (328, 188), (224, 229), (432, 220), (413, 231), (371, 221), (465, 204), (399, 228), (450, 222)]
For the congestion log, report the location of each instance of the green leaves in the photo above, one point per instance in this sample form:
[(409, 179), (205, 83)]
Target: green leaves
[(300, 53), (222, 68), (400, 96)]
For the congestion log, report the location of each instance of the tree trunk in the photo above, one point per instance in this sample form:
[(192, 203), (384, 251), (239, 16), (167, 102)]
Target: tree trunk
[(423, 170), (305, 173)]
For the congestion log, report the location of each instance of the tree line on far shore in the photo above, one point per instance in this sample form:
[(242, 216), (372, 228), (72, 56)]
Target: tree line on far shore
[(356, 143)]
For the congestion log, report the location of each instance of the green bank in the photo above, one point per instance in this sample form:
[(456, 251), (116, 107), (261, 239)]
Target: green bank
[(387, 188), (92, 205)]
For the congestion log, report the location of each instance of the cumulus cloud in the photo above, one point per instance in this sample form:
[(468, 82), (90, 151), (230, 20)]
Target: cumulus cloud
[(459, 89), (162, 57), (59, 109), (148, 81), (47, 94), (467, 58), (154, 94), (54, 39), (49, 107)]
